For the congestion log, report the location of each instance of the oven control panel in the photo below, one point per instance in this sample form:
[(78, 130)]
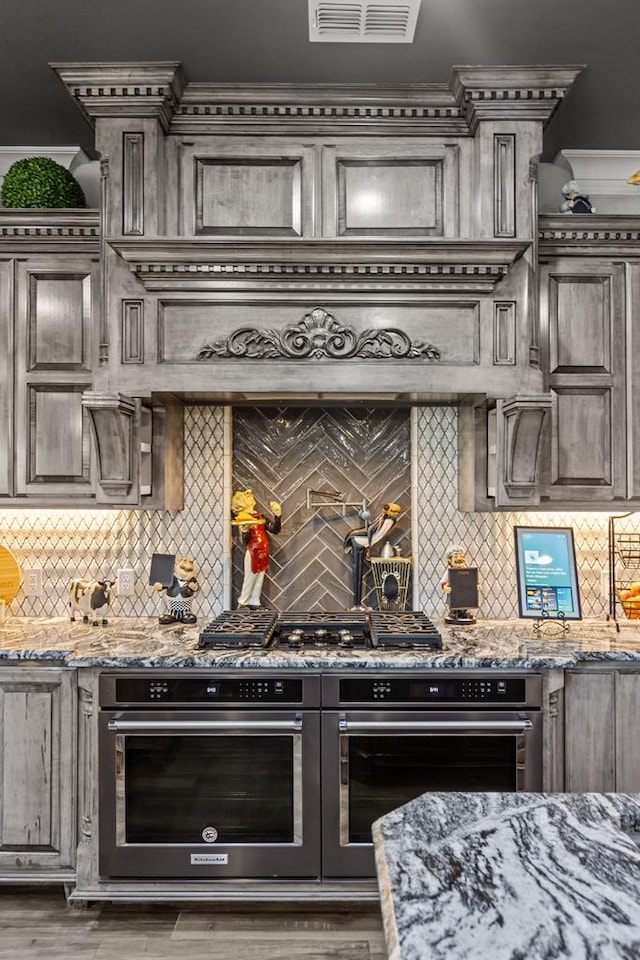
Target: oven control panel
[(427, 690), (198, 691)]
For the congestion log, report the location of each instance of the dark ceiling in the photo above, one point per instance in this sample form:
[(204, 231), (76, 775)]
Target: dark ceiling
[(267, 41)]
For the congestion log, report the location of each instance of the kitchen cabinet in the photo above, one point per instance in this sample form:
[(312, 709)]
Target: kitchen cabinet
[(49, 299), (589, 323), (275, 187), (38, 773), (582, 310), (602, 748)]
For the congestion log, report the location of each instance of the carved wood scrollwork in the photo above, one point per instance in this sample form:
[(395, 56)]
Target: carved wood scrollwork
[(318, 336)]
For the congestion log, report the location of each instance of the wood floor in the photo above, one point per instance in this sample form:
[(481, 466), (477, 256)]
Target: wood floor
[(37, 924)]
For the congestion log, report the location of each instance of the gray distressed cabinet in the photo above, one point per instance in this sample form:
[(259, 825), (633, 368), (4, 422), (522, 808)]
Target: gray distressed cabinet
[(602, 747), (589, 290), (37, 773), (49, 296)]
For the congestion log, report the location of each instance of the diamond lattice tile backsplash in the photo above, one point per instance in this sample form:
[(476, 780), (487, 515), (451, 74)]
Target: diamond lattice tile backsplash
[(68, 543), (95, 543)]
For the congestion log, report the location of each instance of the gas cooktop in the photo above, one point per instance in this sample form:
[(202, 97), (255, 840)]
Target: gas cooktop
[(319, 629)]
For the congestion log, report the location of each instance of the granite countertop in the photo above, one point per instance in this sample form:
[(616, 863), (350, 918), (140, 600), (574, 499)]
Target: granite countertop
[(467, 876), (132, 642)]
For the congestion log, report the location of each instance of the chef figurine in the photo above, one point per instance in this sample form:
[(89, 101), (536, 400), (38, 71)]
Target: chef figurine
[(180, 592), (253, 527), (357, 542), (466, 584), (575, 201)]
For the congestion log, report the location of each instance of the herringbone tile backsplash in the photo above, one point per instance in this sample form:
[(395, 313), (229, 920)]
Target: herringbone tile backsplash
[(281, 452)]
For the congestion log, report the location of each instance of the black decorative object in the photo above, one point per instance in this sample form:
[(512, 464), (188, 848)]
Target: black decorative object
[(318, 336)]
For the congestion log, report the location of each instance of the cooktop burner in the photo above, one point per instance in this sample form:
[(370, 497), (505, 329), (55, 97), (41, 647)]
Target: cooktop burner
[(319, 629)]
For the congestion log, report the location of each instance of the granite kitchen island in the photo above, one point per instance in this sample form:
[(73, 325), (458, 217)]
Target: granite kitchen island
[(467, 876)]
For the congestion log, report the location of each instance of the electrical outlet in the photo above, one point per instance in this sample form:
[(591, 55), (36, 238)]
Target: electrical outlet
[(126, 582), (32, 582), (604, 583)]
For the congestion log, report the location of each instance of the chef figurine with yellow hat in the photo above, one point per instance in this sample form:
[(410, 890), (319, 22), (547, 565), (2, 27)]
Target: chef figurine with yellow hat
[(253, 527)]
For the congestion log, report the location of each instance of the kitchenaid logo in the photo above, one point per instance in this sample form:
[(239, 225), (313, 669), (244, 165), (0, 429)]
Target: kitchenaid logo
[(209, 858)]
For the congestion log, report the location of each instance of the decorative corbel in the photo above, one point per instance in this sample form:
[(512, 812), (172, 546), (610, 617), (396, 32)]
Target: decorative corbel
[(112, 417), (520, 430)]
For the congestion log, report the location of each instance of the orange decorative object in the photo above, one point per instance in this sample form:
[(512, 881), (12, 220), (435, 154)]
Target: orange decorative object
[(10, 577)]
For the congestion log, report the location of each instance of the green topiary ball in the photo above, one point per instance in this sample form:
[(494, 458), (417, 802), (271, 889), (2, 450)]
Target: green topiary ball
[(40, 182)]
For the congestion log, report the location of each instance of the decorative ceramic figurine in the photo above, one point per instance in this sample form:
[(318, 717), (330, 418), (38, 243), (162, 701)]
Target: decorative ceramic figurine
[(357, 542), (253, 528), (461, 587), (180, 592), (89, 597), (574, 201)]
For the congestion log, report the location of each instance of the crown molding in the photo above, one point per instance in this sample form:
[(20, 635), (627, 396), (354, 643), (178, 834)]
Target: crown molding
[(203, 264), (49, 231), (316, 108), (160, 90), (589, 235), (146, 90), (529, 93)]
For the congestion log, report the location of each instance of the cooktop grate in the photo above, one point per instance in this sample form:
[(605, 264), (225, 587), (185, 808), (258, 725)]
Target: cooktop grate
[(240, 628), (411, 629), (350, 628)]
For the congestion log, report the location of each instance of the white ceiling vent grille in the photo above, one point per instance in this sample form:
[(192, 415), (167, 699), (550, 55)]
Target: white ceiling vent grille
[(363, 21)]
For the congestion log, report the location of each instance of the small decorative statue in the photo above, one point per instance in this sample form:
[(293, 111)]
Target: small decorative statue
[(180, 592), (253, 528), (90, 597), (574, 201), (358, 542), (461, 587)]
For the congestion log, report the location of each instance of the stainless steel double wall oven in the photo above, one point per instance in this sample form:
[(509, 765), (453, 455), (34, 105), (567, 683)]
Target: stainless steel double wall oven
[(252, 774)]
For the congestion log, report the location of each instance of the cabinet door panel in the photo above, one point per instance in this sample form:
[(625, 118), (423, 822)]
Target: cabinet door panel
[(627, 739), (53, 456), (390, 190), (633, 352), (250, 188), (37, 783), (589, 732), (6, 377), (581, 314), (581, 439), (54, 310)]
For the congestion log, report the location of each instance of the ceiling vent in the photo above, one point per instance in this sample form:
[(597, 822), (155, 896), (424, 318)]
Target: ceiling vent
[(363, 21)]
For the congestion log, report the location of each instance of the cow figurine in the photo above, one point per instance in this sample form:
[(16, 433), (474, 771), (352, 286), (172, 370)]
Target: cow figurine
[(90, 596)]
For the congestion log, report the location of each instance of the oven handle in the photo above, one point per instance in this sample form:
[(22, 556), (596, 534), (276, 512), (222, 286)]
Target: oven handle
[(193, 726), (521, 725)]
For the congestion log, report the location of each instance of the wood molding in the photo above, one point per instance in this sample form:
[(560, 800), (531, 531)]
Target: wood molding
[(49, 231), (589, 235), (525, 93), (176, 263), (120, 90)]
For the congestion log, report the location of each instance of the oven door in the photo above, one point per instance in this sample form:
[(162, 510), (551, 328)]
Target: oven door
[(209, 794), (375, 762)]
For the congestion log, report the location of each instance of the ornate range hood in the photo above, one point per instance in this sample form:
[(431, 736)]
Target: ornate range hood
[(312, 240)]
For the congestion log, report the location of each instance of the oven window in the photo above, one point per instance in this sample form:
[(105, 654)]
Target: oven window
[(385, 772), (175, 786)]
